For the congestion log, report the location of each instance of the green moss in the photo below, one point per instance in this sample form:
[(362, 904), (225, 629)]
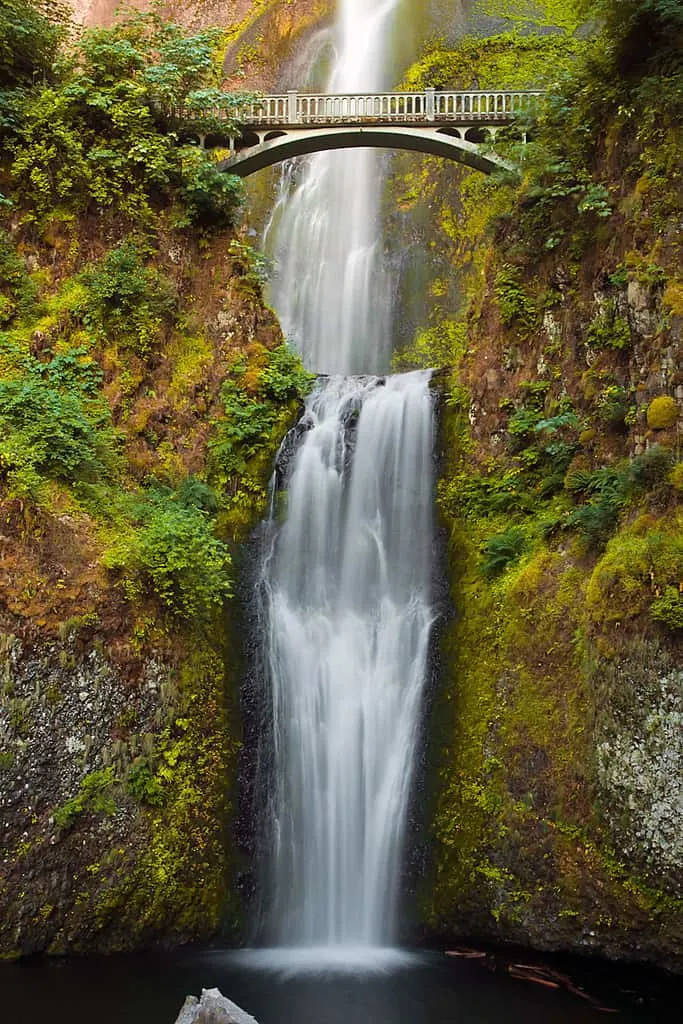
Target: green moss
[(515, 838), (662, 412), (668, 609), (180, 881), (638, 563)]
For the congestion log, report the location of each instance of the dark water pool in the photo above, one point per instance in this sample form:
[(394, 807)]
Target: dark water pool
[(427, 989)]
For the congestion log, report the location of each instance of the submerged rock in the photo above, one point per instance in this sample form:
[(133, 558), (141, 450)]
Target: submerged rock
[(212, 1008)]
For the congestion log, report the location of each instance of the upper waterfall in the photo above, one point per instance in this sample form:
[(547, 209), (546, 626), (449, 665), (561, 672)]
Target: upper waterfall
[(330, 287)]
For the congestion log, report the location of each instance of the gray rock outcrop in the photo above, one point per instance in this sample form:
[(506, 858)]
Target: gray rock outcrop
[(212, 1008)]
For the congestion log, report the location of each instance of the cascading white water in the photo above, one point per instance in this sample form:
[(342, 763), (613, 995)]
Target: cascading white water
[(331, 291), (347, 593), (345, 581)]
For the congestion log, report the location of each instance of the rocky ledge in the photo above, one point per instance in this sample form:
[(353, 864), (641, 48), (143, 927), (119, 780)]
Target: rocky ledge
[(212, 1008)]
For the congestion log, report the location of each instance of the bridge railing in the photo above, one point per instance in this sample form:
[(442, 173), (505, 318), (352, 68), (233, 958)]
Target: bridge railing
[(295, 108)]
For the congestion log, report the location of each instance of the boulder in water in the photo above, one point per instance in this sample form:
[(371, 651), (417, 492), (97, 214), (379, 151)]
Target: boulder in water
[(212, 1008)]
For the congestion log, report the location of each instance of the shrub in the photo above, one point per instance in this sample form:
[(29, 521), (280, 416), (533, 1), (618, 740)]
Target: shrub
[(607, 489), (608, 330), (20, 291), (284, 376), (186, 566), (248, 420), (143, 784), (522, 426), (613, 406), (650, 468), (48, 431), (194, 493), (253, 267), (93, 797), (101, 134), (662, 412), (29, 35), (515, 306), (127, 299), (210, 196), (176, 557), (502, 549), (239, 434)]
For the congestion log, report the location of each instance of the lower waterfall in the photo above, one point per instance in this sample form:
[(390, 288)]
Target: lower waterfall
[(346, 617)]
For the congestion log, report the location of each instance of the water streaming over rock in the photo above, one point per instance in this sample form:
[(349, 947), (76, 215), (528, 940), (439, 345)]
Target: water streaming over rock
[(347, 593), (331, 290), (345, 579)]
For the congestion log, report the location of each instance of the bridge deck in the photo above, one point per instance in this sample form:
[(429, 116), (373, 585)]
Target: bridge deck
[(294, 109)]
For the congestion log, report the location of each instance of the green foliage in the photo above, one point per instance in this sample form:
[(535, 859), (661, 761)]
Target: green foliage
[(538, 14), (609, 489), (516, 306), (210, 197), (93, 797), (175, 556), (249, 419), (613, 406), (252, 266), (143, 784), (668, 609), (508, 60), (194, 493), (17, 290), (30, 32), (649, 469), (502, 549), (608, 329), (523, 423), (595, 199), (102, 136), (284, 377), (128, 300), (48, 432), (245, 427), (54, 422), (641, 32)]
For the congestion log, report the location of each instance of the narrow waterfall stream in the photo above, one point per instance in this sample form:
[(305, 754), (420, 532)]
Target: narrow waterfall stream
[(331, 290), (345, 581)]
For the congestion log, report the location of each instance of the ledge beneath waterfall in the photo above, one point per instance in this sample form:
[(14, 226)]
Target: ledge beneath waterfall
[(212, 1008)]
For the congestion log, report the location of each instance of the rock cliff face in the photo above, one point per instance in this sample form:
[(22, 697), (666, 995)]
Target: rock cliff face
[(101, 685), (262, 37), (556, 742)]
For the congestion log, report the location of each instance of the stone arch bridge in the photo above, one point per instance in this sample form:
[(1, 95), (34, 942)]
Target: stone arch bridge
[(457, 125)]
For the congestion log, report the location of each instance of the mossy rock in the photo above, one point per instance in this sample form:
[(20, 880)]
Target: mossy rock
[(676, 477), (662, 412), (672, 299)]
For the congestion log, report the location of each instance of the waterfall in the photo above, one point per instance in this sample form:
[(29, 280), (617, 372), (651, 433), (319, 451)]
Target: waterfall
[(346, 586), (330, 289), (345, 578)]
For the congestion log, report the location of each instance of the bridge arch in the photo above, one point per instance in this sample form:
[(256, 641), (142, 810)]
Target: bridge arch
[(275, 146)]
